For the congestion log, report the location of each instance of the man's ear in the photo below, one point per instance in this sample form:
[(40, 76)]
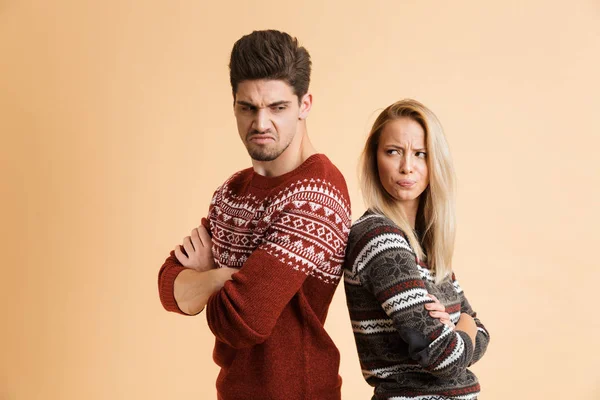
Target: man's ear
[(305, 105)]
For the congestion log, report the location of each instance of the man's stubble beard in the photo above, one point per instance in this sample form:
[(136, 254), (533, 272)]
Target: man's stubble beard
[(264, 154)]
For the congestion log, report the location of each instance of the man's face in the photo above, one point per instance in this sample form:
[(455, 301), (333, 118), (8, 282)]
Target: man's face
[(267, 114)]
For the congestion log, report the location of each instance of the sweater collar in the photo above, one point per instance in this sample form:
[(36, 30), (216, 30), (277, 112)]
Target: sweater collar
[(270, 182)]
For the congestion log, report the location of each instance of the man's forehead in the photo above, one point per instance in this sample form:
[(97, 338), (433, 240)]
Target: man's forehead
[(264, 91)]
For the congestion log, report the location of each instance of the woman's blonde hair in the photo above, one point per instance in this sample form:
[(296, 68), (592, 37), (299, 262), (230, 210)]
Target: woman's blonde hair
[(436, 214)]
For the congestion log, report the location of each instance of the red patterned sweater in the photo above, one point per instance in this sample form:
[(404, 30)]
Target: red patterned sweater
[(287, 235)]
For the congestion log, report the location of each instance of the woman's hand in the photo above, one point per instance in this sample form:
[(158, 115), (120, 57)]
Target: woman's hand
[(437, 310)]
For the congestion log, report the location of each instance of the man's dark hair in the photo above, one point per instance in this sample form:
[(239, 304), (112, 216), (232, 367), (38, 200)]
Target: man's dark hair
[(270, 54)]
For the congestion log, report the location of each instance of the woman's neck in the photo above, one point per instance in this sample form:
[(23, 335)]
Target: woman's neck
[(410, 209)]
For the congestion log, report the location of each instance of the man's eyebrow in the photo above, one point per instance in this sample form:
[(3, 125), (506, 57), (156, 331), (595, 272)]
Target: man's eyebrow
[(275, 104), (280, 103), (245, 103)]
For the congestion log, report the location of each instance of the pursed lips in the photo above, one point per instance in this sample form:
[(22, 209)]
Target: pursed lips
[(406, 183), (261, 138)]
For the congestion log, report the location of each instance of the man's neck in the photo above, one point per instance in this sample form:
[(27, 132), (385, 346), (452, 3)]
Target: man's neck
[(289, 160)]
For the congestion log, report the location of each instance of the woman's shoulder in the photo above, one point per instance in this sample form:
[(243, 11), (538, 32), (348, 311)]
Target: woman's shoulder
[(373, 235), (374, 229), (373, 220)]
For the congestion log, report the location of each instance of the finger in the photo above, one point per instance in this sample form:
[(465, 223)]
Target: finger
[(196, 242), (435, 307), (448, 323), (179, 255), (439, 315), (444, 315), (187, 245), (204, 236), (204, 222)]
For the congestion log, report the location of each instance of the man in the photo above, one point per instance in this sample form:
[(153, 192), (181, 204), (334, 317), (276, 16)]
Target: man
[(279, 233)]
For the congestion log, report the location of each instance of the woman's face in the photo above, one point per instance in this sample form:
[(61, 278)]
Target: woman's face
[(402, 160)]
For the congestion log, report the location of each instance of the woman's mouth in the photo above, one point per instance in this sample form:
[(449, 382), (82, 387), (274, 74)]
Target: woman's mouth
[(406, 183)]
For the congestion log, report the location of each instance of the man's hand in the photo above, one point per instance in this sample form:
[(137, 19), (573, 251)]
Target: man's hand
[(192, 289), (198, 250)]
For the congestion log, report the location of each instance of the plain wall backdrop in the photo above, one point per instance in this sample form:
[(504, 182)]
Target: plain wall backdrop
[(116, 126)]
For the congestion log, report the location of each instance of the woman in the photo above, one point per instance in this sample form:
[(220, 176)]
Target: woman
[(398, 275)]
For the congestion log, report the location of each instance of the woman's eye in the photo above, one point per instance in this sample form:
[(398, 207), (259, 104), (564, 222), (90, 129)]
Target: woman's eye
[(421, 154), (392, 151)]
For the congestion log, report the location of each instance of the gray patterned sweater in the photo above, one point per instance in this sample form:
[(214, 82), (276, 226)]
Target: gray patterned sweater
[(404, 352)]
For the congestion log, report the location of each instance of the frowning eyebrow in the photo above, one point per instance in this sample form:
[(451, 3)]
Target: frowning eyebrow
[(395, 146), (275, 104)]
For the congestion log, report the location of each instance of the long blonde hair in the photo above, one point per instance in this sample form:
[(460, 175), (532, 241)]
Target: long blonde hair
[(436, 214)]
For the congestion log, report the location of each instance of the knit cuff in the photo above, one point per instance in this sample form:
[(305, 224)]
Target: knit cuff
[(476, 354), (480, 346), (166, 290), (468, 347)]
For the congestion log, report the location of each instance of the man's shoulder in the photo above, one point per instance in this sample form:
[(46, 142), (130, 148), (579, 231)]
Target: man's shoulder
[(322, 175), (322, 167), (232, 184), (316, 190), (238, 177)]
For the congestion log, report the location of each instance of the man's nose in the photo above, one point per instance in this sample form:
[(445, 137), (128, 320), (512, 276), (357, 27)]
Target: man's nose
[(262, 121)]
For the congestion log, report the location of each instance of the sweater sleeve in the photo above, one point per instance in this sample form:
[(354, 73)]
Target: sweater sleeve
[(166, 281), (483, 337), (301, 241), (388, 269), (172, 267)]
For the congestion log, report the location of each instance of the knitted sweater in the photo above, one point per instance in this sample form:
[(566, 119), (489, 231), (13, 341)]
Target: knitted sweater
[(404, 352), (287, 235)]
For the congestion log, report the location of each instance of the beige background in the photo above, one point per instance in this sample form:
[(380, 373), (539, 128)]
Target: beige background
[(116, 126)]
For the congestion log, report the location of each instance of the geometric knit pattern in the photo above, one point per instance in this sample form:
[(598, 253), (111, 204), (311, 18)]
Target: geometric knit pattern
[(304, 224), (287, 235), (404, 352)]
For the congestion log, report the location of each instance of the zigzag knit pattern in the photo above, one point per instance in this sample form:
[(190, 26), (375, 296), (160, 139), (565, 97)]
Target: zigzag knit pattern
[(404, 352)]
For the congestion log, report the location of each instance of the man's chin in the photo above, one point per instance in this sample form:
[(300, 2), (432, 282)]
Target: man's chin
[(261, 155)]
